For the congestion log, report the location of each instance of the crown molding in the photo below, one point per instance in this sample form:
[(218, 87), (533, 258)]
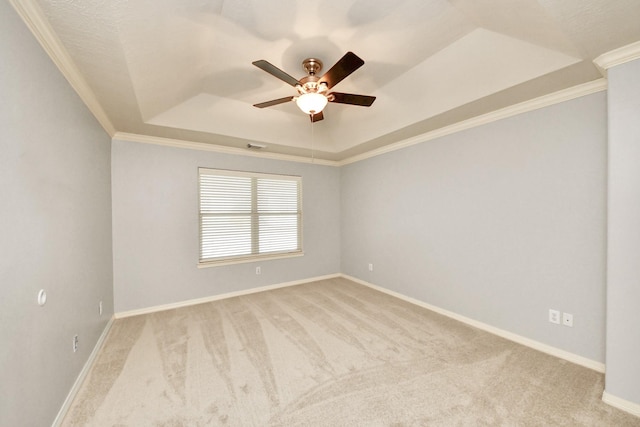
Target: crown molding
[(202, 146), (523, 107), (38, 24), (618, 56)]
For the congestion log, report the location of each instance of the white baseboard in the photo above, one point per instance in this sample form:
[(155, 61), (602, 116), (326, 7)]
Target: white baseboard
[(562, 354), (620, 403), (553, 351), (187, 303), (83, 374), (617, 402)]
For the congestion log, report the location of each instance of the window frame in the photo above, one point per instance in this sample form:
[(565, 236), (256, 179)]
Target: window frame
[(255, 216)]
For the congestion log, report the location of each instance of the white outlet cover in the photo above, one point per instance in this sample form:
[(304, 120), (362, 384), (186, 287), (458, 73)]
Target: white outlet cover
[(567, 319), (554, 316)]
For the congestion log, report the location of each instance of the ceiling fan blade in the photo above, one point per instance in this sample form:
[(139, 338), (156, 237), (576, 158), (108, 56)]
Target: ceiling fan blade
[(349, 98), (274, 102), (345, 66), (316, 117), (276, 72)]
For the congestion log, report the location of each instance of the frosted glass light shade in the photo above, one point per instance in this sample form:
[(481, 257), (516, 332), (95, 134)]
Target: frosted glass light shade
[(311, 102)]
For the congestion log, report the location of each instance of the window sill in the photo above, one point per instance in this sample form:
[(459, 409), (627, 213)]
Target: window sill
[(257, 258)]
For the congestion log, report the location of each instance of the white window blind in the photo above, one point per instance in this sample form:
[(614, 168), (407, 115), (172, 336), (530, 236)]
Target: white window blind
[(245, 215)]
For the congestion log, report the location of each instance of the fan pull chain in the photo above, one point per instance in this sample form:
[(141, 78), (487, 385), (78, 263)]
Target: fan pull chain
[(312, 141)]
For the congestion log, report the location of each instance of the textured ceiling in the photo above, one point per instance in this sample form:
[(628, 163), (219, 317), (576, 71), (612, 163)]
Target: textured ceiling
[(181, 69)]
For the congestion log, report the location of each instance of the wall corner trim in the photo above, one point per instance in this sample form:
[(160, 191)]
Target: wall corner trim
[(39, 26), (584, 89), (553, 351), (618, 56), (618, 402), (83, 374)]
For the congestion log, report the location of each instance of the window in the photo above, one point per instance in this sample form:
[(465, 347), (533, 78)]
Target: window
[(244, 216)]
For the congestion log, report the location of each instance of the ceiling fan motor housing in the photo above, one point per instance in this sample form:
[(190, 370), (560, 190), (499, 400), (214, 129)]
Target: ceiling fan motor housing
[(309, 83), (312, 66)]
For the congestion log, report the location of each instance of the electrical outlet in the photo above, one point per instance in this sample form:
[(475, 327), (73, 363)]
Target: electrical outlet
[(75, 343), (554, 316), (567, 319), (100, 308), (370, 267), (258, 270)]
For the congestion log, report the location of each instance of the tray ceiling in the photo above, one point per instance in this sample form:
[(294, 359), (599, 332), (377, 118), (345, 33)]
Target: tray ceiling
[(181, 69)]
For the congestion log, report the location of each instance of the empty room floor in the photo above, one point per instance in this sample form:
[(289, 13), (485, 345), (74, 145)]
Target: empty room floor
[(328, 353)]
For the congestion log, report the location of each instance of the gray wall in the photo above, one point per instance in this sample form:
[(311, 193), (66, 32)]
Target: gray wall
[(498, 223), (56, 229), (155, 226), (623, 275)]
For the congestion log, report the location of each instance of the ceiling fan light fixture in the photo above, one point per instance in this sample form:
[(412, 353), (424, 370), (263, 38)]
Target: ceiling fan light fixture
[(313, 91), (311, 103)]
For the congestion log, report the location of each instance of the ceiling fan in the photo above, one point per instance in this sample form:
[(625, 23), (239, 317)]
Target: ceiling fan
[(313, 91)]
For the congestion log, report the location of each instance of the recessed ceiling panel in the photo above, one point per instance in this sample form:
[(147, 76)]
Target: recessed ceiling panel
[(479, 64)]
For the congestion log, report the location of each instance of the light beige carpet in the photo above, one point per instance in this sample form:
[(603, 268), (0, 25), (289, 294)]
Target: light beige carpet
[(329, 353)]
